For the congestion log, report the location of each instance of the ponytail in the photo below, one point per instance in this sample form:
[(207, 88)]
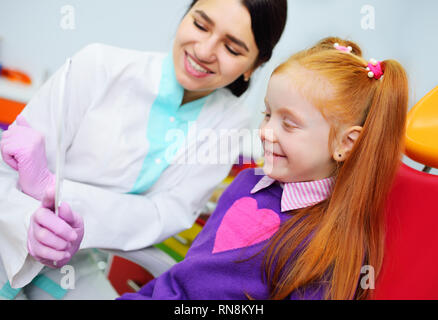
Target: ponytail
[(365, 179)]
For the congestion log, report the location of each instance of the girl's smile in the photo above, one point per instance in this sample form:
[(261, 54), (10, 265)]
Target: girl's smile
[(272, 155)]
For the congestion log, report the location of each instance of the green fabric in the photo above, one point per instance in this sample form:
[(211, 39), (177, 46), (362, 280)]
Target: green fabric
[(166, 106), (49, 286), (8, 292)]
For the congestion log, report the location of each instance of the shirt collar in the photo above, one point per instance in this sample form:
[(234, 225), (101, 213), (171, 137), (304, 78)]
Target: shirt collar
[(171, 92), (298, 195)]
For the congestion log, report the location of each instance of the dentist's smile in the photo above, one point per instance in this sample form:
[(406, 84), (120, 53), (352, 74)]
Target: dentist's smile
[(195, 68)]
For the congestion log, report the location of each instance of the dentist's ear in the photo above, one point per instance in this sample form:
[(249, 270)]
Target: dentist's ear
[(247, 75), (346, 143)]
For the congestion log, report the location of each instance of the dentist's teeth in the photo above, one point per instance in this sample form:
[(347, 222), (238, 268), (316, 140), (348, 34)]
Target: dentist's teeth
[(196, 66)]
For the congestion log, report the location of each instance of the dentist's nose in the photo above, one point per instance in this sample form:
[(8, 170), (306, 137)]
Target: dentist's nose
[(205, 50)]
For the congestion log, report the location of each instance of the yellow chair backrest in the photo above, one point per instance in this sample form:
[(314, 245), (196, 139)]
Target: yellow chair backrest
[(422, 130)]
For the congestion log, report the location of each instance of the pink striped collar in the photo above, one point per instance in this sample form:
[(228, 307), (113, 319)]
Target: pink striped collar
[(299, 194)]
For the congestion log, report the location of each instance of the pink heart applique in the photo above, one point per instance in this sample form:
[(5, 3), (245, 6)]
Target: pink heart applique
[(244, 225)]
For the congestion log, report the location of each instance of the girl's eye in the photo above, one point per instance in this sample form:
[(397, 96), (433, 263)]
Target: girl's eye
[(267, 115), (232, 51), (289, 124), (199, 26)]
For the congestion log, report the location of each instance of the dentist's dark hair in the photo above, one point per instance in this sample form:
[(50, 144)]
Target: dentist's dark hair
[(268, 20)]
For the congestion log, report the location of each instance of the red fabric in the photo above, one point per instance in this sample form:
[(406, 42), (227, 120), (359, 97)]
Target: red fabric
[(121, 270), (410, 266)]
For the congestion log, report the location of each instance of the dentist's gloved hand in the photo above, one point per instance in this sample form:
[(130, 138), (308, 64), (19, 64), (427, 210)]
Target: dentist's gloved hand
[(23, 149), (54, 238)]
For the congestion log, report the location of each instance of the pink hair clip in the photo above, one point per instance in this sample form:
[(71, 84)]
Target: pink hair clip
[(343, 48), (374, 69)]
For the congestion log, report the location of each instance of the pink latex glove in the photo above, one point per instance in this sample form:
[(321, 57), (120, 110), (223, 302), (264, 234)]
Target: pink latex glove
[(23, 149), (54, 238)]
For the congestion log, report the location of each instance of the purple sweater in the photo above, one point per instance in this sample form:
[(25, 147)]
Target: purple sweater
[(239, 228)]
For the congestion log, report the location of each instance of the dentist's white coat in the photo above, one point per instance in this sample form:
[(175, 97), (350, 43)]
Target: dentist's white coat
[(111, 92)]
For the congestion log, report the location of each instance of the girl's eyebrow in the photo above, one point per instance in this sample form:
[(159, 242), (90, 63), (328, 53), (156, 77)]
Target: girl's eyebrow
[(238, 42), (287, 110), (294, 115)]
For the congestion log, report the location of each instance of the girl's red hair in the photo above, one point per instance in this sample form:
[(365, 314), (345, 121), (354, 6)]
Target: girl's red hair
[(330, 242)]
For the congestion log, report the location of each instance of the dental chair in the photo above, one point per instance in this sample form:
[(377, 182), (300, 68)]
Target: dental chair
[(410, 265)]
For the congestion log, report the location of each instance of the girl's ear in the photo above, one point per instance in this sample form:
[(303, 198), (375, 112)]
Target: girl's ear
[(347, 141)]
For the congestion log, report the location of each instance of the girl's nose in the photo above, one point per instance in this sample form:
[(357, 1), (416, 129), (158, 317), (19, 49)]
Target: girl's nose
[(267, 133)]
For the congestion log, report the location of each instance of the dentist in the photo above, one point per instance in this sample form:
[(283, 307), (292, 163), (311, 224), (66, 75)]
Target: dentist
[(122, 190)]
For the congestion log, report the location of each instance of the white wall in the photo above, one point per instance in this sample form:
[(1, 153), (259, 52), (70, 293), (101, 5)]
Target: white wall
[(34, 40)]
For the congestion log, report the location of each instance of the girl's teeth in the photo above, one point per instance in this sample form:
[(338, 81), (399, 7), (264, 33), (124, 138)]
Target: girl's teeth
[(196, 66)]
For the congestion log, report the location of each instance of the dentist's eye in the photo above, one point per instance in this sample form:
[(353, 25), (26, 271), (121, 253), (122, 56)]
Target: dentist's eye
[(232, 51), (199, 26)]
